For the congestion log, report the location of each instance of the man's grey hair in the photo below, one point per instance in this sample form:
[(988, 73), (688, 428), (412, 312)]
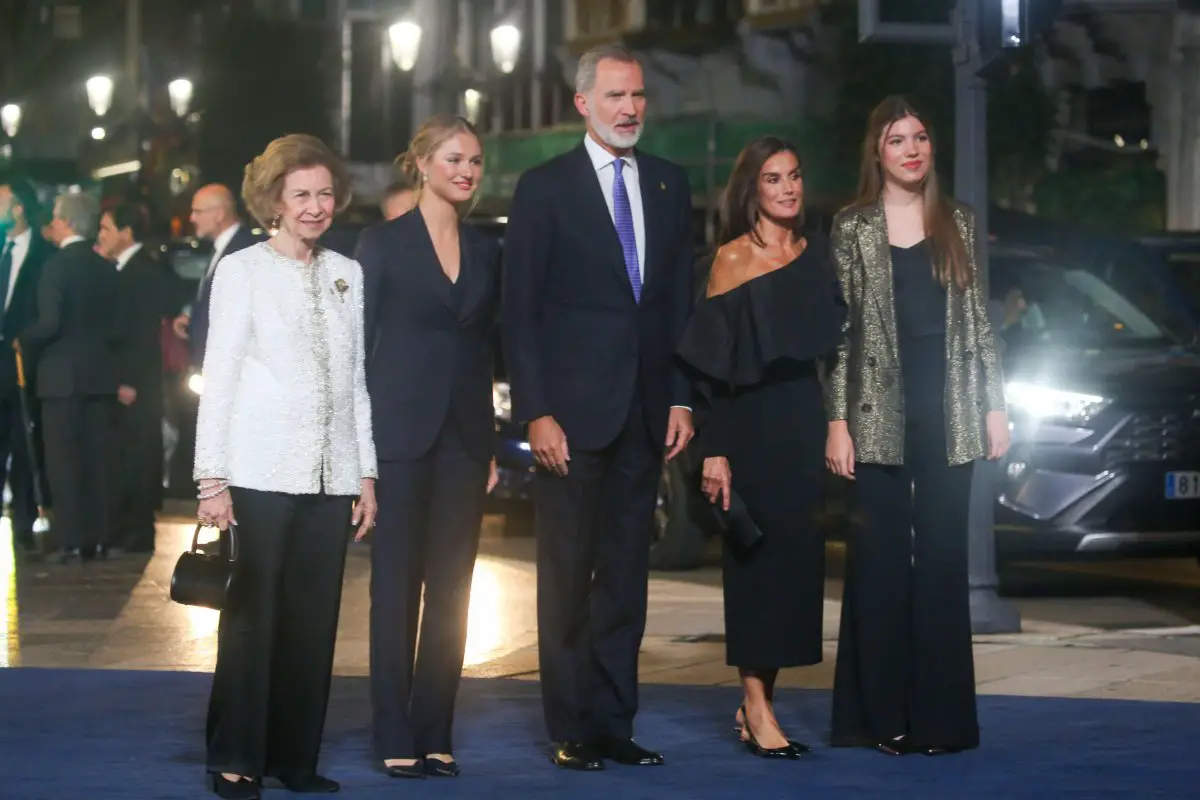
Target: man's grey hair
[(81, 213), (585, 72)]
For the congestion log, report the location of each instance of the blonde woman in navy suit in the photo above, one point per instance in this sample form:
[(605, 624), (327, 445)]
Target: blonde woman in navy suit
[(432, 284)]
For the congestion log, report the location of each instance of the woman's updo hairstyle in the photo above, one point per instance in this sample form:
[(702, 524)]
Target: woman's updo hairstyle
[(433, 133)]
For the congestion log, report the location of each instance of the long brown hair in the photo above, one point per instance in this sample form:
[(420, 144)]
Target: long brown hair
[(951, 264), (739, 203)]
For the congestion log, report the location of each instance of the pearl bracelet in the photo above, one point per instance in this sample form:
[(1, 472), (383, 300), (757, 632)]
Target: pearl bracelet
[(213, 490)]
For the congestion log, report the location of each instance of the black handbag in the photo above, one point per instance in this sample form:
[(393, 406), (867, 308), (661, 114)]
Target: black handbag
[(735, 526), (203, 579)]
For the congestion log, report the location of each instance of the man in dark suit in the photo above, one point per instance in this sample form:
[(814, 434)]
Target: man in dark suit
[(214, 216), (22, 253), (597, 291), (74, 343), (147, 296)]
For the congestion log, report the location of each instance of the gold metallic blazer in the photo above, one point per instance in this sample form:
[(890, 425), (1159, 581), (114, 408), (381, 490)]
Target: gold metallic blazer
[(864, 386)]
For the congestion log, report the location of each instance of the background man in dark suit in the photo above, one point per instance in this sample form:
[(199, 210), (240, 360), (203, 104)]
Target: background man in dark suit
[(147, 295), (22, 253), (74, 343), (597, 291), (214, 216)]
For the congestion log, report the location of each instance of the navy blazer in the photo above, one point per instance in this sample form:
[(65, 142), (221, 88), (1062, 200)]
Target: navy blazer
[(429, 343), (577, 345)]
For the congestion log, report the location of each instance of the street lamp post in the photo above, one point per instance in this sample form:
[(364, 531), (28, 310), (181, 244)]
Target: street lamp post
[(506, 47), (99, 94), (404, 39), (180, 91), (10, 119)]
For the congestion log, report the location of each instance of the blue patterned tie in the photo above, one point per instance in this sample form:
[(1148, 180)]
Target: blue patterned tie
[(623, 219)]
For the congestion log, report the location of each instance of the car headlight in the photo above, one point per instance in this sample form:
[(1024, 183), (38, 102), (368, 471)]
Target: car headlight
[(1043, 402), (502, 400), (195, 383)]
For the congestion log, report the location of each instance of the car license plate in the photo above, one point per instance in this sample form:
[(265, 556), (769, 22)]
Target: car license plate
[(1183, 486)]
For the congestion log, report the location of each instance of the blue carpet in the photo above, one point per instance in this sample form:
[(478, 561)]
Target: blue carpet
[(100, 734)]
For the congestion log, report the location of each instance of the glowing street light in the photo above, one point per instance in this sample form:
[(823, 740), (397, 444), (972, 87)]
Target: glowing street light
[(404, 39), (98, 133), (471, 102), (99, 93), (506, 46), (10, 119), (180, 92)]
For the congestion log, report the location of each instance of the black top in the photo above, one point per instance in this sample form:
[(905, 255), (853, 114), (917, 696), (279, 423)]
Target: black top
[(768, 330), (920, 299)]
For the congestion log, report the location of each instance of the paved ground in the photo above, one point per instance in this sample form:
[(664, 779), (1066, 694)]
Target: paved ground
[(1118, 631)]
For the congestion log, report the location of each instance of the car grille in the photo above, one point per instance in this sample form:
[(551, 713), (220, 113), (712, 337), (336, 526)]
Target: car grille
[(1156, 436)]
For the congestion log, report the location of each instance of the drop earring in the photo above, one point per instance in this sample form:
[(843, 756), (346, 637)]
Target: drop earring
[(274, 229)]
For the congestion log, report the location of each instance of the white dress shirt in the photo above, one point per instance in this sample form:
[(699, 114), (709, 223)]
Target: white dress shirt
[(19, 247), (285, 405), (70, 240), (603, 160), (127, 254), (221, 242)]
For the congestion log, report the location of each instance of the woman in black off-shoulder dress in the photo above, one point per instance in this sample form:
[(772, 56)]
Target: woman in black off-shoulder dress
[(773, 310)]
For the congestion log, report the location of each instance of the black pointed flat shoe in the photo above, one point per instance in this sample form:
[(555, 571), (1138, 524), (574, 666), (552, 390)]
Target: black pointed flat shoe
[(436, 768), (414, 770), (310, 784)]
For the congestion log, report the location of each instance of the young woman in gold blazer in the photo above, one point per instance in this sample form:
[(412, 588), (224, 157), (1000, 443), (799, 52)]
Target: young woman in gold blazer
[(915, 396)]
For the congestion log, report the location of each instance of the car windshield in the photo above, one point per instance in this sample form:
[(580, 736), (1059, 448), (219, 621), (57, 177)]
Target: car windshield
[(1051, 304)]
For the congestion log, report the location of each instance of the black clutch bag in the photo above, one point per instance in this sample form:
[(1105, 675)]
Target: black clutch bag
[(203, 579), (735, 526)]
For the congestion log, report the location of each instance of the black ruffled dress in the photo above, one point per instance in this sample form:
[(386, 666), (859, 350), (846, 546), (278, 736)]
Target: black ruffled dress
[(755, 352)]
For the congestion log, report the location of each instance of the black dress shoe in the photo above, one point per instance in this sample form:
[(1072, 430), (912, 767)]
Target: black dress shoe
[(244, 789), (436, 768), (800, 747), (310, 784), (627, 751), (416, 770), (939, 751), (896, 746), (576, 755)]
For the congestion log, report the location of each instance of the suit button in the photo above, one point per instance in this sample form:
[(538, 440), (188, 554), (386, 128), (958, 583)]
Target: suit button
[(871, 361), (866, 407)]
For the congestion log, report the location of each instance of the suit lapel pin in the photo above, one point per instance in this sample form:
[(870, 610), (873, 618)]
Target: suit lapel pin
[(341, 287)]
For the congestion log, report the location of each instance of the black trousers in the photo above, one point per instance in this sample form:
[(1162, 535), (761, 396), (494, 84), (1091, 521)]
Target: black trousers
[(77, 436), (593, 550), (20, 476), (275, 641), (138, 452), (905, 664), (426, 535)]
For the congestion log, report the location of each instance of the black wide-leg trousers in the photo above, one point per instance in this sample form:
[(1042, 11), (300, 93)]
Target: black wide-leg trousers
[(276, 638), (427, 535), (905, 665)]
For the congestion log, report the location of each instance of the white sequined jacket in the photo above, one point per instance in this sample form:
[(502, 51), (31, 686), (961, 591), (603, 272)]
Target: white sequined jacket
[(285, 405)]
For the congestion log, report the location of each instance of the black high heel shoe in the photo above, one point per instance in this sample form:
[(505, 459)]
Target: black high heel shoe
[(244, 789), (789, 751), (739, 730)]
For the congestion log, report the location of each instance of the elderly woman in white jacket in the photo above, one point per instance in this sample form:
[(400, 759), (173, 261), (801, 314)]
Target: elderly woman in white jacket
[(284, 444)]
